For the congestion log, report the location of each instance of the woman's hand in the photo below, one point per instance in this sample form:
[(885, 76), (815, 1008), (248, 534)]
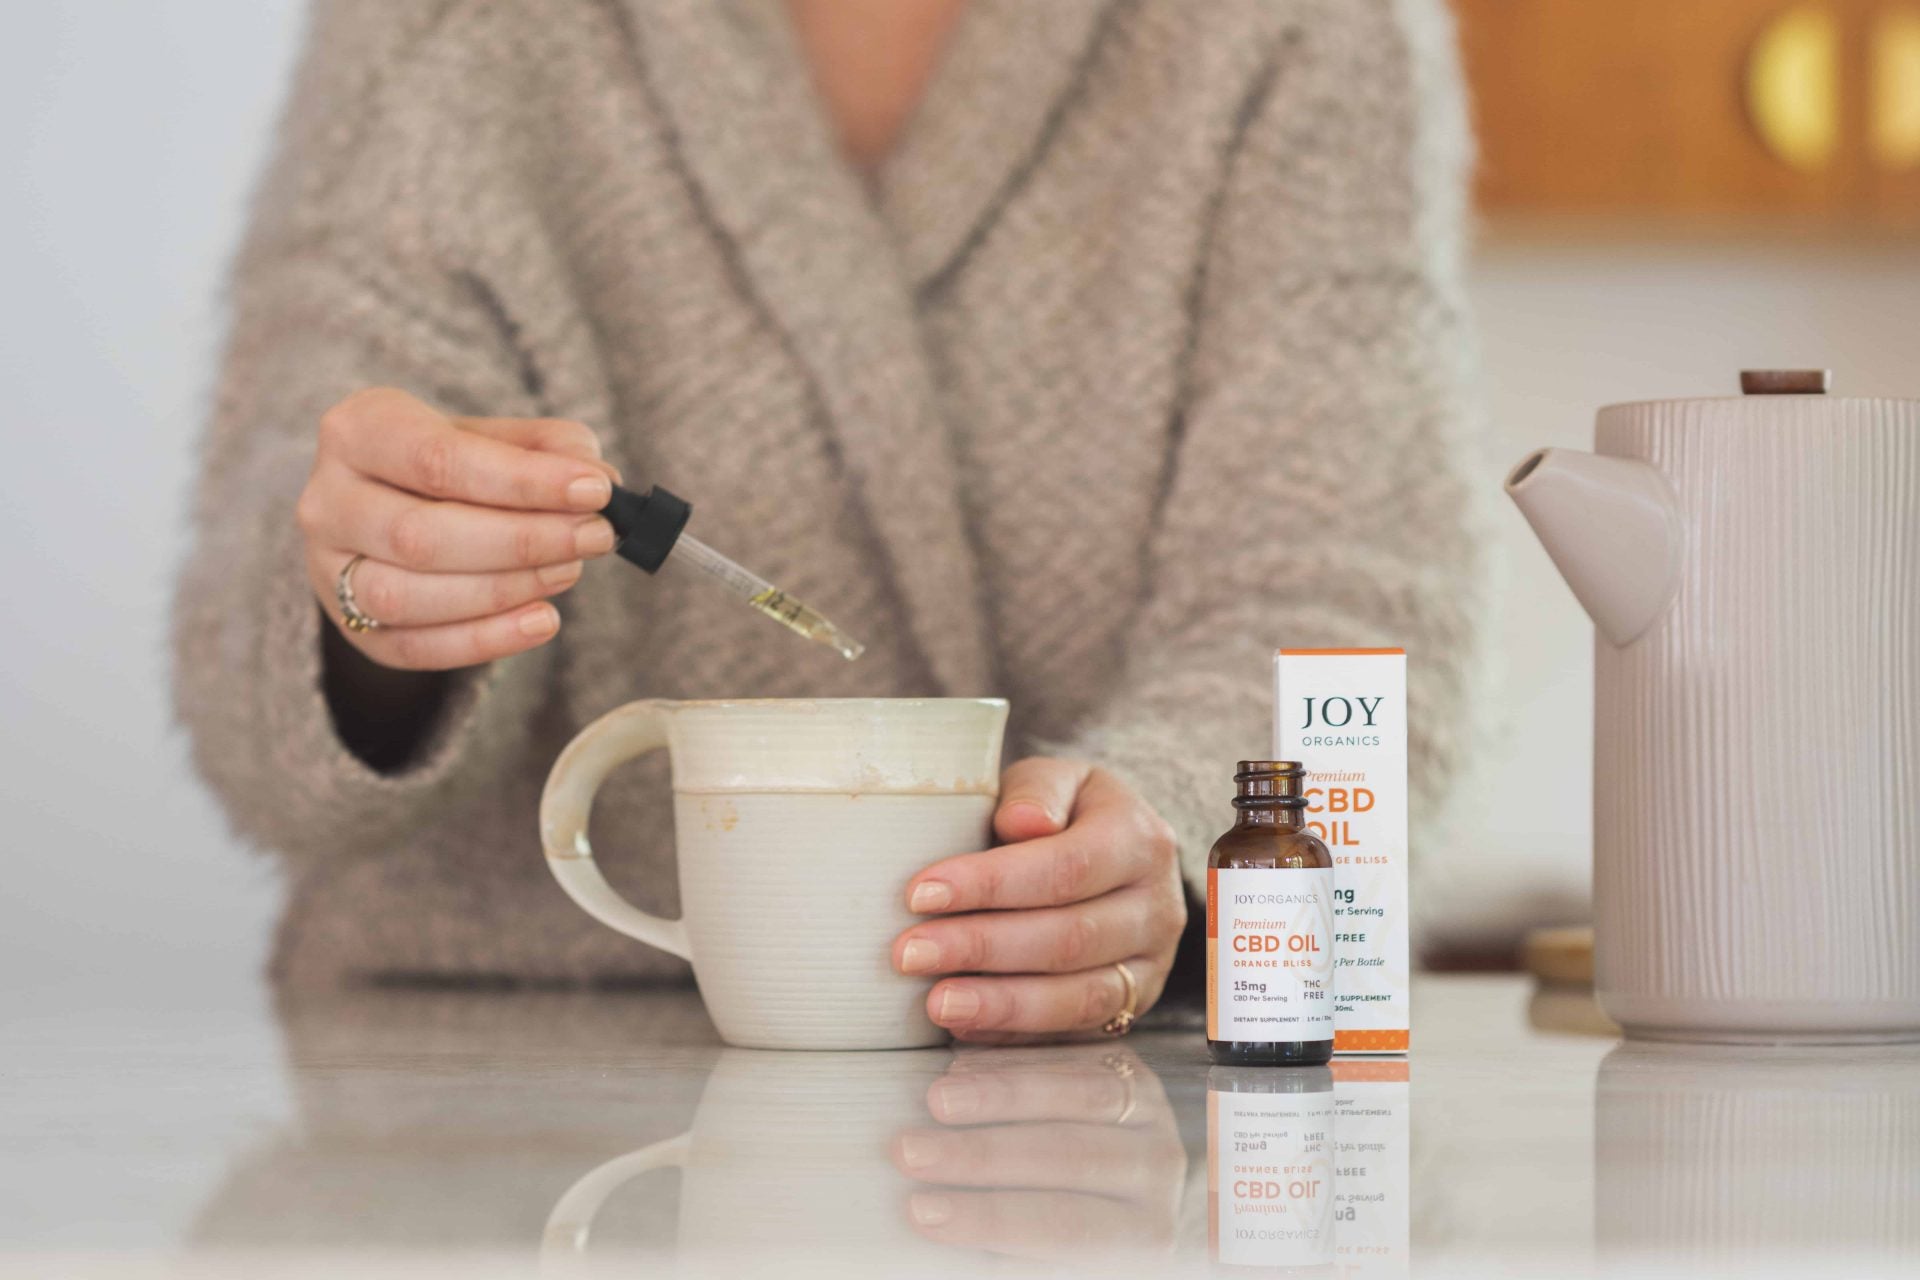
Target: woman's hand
[(1061, 1155), (1087, 878), (468, 525)]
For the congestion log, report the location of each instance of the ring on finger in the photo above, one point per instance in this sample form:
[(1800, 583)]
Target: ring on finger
[(352, 616), (1123, 1021), (1123, 1069)]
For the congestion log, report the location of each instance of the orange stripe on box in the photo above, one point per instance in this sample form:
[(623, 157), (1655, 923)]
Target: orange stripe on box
[(1330, 652), (1371, 1041), (1348, 1070)]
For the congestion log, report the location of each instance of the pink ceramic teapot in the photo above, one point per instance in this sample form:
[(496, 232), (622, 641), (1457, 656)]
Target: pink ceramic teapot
[(1752, 566)]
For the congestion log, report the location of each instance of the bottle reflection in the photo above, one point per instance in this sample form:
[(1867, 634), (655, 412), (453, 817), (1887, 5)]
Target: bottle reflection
[(1307, 1168), (1719, 1153), (1270, 1168), (1067, 1155)]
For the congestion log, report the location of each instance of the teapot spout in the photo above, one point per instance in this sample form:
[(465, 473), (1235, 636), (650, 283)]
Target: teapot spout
[(1612, 527)]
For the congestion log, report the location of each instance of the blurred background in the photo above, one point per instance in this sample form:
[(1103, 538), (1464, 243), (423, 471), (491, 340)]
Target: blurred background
[(1669, 192)]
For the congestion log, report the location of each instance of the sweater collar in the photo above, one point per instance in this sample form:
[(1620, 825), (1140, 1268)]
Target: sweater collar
[(1008, 68), (836, 268)]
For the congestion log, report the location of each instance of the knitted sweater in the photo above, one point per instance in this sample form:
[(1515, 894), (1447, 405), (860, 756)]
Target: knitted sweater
[(1142, 355)]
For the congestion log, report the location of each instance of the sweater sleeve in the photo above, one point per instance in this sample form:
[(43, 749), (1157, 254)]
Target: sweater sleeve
[(1318, 495), (337, 288)]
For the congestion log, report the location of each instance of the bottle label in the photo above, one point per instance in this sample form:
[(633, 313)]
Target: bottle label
[(1270, 1178), (1270, 954)]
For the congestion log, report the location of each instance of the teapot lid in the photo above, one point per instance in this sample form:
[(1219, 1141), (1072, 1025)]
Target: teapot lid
[(1785, 382)]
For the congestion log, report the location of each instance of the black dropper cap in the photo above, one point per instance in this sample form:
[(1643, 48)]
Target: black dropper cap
[(646, 525)]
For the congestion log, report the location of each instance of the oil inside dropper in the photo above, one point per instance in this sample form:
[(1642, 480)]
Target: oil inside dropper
[(811, 623), (768, 599)]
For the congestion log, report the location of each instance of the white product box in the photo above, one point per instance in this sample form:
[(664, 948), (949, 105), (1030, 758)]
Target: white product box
[(1372, 1200), (1343, 713)]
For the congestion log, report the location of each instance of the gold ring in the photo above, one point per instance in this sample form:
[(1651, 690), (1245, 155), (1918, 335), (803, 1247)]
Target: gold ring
[(352, 616), (1128, 1015), (1122, 1068)]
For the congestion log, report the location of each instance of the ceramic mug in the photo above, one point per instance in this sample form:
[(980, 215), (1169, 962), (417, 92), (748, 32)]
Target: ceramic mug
[(798, 824)]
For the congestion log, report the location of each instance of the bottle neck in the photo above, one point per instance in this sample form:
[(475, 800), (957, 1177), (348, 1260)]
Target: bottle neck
[(1270, 794), (1265, 816)]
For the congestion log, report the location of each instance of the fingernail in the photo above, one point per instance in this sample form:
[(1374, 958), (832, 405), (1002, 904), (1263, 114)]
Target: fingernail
[(918, 1150), (929, 1211), (543, 621), (590, 492), (930, 895), (919, 956), (1031, 806), (592, 537), (955, 1103), (957, 1004), (559, 575)]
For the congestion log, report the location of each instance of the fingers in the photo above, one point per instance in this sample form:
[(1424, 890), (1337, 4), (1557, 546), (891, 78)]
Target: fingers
[(1050, 1226), (1138, 920), (1037, 797), (1100, 1159), (350, 513), (397, 597), (392, 437), (1114, 841), (1041, 1003), (1095, 1094), (549, 435), (460, 644)]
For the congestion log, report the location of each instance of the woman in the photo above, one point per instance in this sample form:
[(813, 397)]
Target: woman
[(1077, 352)]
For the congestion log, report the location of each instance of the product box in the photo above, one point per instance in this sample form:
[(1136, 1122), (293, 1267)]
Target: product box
[(1343, 713), (1372, 1146)]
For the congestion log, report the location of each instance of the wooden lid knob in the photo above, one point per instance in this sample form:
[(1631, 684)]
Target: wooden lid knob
[(1785, 382)]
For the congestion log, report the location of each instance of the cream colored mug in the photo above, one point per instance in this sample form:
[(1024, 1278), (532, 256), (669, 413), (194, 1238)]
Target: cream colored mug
[(797, 825)]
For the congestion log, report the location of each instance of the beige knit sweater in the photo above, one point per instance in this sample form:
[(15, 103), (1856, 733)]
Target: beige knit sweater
[(1142, 356)]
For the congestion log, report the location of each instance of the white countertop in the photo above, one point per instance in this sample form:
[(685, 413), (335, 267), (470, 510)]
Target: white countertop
[(498, 1132)]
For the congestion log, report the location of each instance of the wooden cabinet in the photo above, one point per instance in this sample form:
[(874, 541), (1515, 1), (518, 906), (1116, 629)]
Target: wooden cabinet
[(1713, 111)]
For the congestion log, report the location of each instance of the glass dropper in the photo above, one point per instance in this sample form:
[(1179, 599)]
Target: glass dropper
[(651, 527)]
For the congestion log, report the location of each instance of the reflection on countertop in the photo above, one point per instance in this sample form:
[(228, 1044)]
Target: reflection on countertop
[(917, 1158), (1718, 1154), (546, 1133)]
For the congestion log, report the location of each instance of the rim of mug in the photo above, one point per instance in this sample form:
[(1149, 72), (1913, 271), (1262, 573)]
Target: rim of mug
[(683, 704)]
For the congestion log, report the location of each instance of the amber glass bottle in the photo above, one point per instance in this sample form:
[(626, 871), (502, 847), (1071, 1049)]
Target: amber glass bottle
[(1270, 926)]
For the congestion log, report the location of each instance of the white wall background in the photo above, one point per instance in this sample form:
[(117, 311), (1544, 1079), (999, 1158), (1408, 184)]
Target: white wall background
[(129, 136)]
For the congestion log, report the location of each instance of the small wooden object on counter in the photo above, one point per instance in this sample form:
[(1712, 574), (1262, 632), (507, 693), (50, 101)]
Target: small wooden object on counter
[(1562, 955), (1785, 382)]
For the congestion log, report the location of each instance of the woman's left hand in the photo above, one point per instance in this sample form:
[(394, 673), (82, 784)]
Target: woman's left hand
[(1088, 877)]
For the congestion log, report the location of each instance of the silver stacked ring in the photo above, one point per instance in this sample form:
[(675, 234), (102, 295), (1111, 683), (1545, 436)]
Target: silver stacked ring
[(352, 616)]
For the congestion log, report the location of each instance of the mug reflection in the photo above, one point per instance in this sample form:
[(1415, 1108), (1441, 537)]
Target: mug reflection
[(1067, 1154), (1719, 1153)]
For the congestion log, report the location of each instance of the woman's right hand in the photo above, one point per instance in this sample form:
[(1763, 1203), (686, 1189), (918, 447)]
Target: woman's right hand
[(468, 525)]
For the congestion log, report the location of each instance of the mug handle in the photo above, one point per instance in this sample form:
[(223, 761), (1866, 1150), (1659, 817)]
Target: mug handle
[(571, 1221), (600, 748)]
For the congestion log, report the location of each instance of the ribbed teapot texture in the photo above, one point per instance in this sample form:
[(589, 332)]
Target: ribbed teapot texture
[(1753, 568)]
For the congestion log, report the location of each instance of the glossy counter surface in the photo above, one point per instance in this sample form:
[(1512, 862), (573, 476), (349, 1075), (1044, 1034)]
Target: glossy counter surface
[(509, 1133)]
